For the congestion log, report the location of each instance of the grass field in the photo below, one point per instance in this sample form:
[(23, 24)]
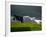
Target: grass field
[(26, 26)]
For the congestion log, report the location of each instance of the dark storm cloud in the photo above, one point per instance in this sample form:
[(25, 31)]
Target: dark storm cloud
[(23, 10)]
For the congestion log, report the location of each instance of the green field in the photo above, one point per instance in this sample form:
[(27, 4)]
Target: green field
[(26, 26)]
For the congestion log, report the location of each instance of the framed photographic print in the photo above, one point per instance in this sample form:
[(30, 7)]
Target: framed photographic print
[(24, 17)]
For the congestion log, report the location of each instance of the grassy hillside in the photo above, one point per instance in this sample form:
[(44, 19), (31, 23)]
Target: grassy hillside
[(26, 26)]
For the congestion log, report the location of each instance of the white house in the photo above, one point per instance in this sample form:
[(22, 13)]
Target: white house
[(36, 20), (32, 19)]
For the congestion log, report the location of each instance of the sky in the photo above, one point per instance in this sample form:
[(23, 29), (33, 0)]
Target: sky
[(25, 10)]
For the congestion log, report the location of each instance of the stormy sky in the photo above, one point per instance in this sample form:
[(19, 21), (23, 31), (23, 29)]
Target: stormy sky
[(25, 10)]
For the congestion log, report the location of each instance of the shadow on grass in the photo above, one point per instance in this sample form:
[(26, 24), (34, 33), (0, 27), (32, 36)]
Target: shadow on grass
[(16, 29)]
